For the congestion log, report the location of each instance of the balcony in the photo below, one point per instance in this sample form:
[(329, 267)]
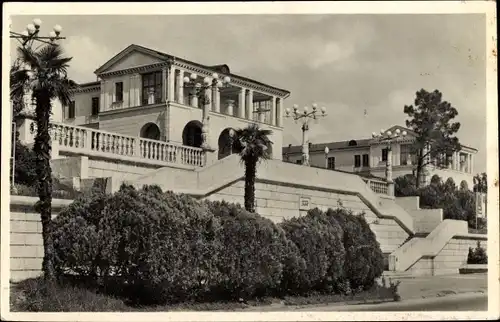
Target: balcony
[(86, 141)]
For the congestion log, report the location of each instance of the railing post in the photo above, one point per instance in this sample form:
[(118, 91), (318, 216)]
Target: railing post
[(390, 189), (88, 140), (137, 147)]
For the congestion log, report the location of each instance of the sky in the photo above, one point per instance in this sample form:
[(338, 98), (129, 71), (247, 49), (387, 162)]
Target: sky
[(363, 68)]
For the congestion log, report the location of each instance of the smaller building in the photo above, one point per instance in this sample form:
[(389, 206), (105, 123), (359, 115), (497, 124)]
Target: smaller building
[(368, 157)]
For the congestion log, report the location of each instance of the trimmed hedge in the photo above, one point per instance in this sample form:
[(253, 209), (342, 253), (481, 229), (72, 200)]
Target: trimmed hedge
[(477, 255), (154, 247)]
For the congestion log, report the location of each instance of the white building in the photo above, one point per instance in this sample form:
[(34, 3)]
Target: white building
[(140, 93), (367, 156)]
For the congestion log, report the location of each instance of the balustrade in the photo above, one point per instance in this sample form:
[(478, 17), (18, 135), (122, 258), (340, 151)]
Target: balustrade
[(81, 139), (377, 186)]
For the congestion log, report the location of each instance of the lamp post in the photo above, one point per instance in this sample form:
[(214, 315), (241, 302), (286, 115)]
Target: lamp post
[(202, 93), (231, 140), (388, 138), (32, 33), (27, 38), (305, 116), (327, 150)]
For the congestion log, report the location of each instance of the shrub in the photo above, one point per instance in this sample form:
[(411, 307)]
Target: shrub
[(160, 245), (478, 255), (405, 186), (252, 250), (319, 242), (154, 247), (78, 239), (364, 261), (25, 165)]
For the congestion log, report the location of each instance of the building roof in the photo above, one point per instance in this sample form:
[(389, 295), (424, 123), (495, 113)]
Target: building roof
[(90, 84), (332, 146), (167, 57), (339, 145)]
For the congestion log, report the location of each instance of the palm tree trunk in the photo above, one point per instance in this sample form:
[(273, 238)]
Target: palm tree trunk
[(42, 150), (419, 169), (250, 174)]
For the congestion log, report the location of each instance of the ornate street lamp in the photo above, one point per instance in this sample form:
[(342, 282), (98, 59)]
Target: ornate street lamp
[(31, 34), (327, 150), (202, 92), (231, 141), (389, 138), (305, 116)]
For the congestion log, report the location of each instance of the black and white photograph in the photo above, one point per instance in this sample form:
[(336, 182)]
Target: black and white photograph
[(249, 161)]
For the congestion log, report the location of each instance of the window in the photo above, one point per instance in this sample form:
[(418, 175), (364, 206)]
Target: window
[(151, 83), (384, 154), (298, 161), (71, 110), (95, 106), (404, 156), (357, 161), (331, 163), (119, 92), (366, 161)]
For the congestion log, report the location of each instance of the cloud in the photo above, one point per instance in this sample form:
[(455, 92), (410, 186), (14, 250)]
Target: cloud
[(87, 55), (331, 52)]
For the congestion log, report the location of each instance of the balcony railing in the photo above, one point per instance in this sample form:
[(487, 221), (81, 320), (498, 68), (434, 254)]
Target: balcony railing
[(82, 139), (378, 186)]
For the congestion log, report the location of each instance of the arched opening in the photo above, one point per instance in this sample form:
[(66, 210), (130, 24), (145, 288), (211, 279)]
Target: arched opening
[(352, 143), (226, 144), (191, 135), (150, 131)]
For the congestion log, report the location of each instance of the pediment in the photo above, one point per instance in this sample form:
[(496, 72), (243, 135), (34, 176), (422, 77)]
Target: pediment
[(132, 56), (409, 132)]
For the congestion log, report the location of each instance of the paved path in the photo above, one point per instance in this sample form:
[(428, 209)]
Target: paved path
[(432, 286), (460, 302), (427, 293)]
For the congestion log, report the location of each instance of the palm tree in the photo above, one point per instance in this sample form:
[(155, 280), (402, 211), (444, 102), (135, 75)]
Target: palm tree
[(254, 145), (42, 73), (480, 183)]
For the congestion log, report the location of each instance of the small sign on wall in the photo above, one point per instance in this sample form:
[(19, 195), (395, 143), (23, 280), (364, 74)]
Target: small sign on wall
[(304, 203)]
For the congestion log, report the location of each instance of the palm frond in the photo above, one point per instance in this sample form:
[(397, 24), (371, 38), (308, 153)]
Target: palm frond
[(28, 57), (63, 90), (254, 143)]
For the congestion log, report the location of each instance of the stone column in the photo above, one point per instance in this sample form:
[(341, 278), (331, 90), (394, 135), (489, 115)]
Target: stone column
[(471, 164), (180, 87), (230, 107), (241, 103), (388, 172), (279, 111), (305, 145), (164, 81), (249, 104), (273, 111), (171, 84), (194, 100), (216, 99), (102, 100), (137, 89)]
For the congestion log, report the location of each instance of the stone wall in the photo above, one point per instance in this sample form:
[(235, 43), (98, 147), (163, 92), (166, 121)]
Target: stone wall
[(26, 244), (450, 258)]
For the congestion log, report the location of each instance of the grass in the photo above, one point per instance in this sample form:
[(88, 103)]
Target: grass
[(34, 295)]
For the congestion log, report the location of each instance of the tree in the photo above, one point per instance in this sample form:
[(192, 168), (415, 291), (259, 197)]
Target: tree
[(42, 73), (405, 186), (480, 183), (432, 120), (254, 146)]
